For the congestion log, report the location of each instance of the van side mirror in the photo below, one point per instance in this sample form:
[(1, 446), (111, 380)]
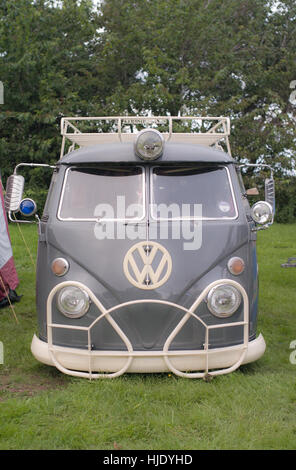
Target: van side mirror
[(270, 192), (14, 192), (14, 202)]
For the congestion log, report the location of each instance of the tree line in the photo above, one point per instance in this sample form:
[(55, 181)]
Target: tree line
[(177, 57)]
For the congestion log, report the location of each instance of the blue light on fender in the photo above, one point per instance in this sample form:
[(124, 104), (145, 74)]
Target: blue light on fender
[(28, 207)]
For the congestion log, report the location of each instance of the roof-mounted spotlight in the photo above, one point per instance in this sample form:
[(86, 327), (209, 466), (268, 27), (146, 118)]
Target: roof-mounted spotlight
[(149, 144)]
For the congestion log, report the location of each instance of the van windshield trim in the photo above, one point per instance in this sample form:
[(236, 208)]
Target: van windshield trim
[(159, 219), (103, 219)]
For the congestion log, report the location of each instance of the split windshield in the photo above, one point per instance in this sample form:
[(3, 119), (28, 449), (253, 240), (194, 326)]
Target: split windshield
[(119, 193)]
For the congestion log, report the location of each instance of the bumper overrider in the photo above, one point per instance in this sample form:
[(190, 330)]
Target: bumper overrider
[(94, 364)]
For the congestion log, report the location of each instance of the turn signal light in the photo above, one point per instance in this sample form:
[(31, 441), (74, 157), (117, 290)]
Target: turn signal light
[(59, 266), (236, 265)]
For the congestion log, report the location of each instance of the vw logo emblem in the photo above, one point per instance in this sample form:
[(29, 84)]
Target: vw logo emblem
[(147, 265)]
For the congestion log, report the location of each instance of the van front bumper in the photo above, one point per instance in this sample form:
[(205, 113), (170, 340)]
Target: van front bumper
[(199, 363), (144, 362)]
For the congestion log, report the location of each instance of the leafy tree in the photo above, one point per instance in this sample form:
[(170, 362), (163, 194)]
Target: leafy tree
[(201, 57), (212, 58), (46, 69)]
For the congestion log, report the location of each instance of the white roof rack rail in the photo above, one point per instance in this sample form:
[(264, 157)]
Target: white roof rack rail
[(84, 131)]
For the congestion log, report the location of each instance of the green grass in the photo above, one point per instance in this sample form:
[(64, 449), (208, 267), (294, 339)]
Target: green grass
[(252, 408)]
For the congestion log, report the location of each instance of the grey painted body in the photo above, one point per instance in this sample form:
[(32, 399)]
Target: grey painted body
[(98, 264)]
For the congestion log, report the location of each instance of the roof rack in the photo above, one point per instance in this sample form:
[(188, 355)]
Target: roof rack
[(209, 131)]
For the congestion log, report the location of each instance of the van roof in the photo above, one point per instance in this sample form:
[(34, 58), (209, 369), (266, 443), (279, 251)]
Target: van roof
[(124, 153)]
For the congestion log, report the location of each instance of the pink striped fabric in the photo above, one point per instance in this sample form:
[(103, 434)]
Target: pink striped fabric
[(8, 272)]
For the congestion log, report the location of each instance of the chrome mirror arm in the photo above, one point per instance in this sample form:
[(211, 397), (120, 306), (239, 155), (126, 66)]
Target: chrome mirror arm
[(33, 165), (17, 221)]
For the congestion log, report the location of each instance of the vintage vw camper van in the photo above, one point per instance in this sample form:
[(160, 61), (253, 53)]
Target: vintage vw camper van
[(147, 250)]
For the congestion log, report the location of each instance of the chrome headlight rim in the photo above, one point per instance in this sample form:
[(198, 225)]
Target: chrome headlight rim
[(265, 204), (233, 310), (85, 305), (149, 144)]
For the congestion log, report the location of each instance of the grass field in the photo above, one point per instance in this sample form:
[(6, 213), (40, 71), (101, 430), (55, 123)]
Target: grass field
[(252, 408)]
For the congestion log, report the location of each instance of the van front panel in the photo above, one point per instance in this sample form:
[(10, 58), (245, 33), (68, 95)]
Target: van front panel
[(91, 228)]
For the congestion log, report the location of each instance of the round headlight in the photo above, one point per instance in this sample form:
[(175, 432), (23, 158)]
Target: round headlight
[(262, 212), (73, 302), (223, 300), (149, 144)]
